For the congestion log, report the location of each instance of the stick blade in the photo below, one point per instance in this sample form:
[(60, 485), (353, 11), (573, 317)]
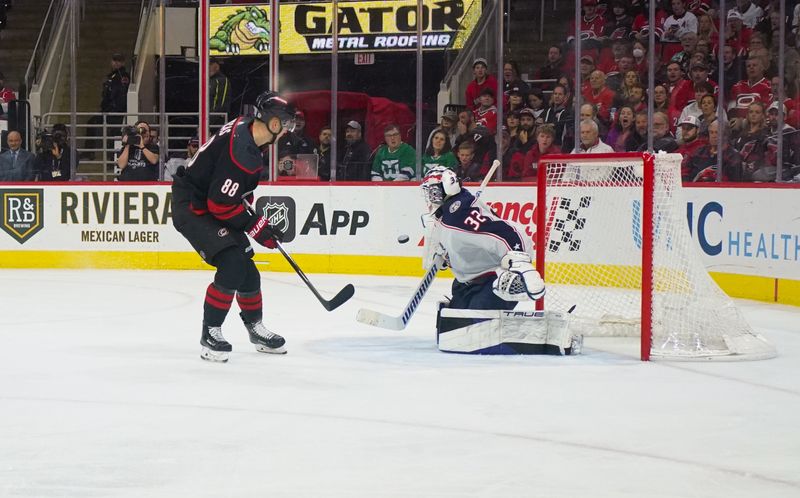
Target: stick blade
[(339, 299), (376, 319)]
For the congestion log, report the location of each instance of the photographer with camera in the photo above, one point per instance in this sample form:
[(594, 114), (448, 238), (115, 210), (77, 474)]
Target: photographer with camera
[(53, 156), (138, 158)]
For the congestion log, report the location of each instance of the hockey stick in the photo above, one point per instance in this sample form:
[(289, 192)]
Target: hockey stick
[(377, 319), (329, 304)]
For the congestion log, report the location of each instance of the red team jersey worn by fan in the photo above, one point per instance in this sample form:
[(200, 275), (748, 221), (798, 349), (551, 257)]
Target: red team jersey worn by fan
[(474, 90), (743, 94), (590, 28), (486, 118), (224, 169)]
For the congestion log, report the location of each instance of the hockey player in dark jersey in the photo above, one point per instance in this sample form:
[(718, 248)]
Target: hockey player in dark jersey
[(492, 264), (208, 198)]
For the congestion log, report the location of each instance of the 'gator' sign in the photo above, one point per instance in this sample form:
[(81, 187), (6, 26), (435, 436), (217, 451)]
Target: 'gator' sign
[(363, 26)]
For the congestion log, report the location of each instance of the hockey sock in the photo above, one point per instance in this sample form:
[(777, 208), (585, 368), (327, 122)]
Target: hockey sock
[(250, 304), (218, 302)]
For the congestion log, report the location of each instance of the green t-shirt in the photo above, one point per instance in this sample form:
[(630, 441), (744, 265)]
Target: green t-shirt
[(448, 160), (397, 165)]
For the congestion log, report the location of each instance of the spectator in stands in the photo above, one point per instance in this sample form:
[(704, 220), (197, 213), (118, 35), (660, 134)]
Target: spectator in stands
[(395, 160), (749, 138), (296, 142), (591, 29), (635, 98), (707, 29), (171, 167), (516, 99), (536, 104), (660, 98), (791, 149), (590, 139), (733, 68), (757, 47), (616, 80), (755, 87), (737, 34), (219, 93), (569, 86), (689, 47), (674, 76), (702, 165), (512, 160), (693, 108), (7, 95), (640, 60), (690, 139), (708, 110), (553, 68), (683, 93), (618, 23), (600, 96), (114, 99), (639, 135), (621, 129), (323, 150), (53, 161), (353, 164), (468, 169), (663, 140), (138, 158), (675, 26), (512, 124), (486, 114), (16, 163), (527, 131), (704, 48), (465, 124), (589, 111), (482, 81), (792, 63), (447, 123), (562, 118), (526, 170), (438, 153), (511, 79), (587, 68), (750, 12)]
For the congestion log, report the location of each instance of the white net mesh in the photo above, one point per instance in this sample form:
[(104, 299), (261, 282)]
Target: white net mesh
[(593, 259)]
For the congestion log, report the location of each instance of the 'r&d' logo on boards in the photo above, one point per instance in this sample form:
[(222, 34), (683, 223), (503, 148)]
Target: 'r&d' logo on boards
[(21, 212)]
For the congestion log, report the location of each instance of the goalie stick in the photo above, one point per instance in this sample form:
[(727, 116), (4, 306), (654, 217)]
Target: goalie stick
[(377, 319), (329, 304)]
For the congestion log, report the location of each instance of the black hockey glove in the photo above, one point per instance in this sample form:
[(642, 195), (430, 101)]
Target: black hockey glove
[(266, 235)]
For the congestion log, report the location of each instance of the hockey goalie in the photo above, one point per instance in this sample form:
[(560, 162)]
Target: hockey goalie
[(492, 263)]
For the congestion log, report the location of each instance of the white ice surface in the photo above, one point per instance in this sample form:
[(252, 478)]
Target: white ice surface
[(102, 394)]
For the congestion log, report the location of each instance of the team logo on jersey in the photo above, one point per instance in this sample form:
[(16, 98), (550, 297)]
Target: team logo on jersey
[(22, 213), (565, 222), (222, 232), (280, 211), (454, 206)]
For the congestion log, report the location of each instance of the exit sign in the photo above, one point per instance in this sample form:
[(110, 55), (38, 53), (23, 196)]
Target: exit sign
[(365, 59)]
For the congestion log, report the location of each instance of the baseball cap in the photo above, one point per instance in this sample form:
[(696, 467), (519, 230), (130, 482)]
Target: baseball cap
[(690, 120), (527, 111), (588, 58), (354, 125), (480, 60), (299, 114), (774, 105), (700, 65), (194, 141), (515, 89), (451, 115), (735, 14)]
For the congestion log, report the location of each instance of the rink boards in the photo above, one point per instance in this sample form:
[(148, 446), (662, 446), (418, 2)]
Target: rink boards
[(749, 238)]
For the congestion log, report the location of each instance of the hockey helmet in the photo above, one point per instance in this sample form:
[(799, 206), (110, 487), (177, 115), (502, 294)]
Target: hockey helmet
[(439, 184), (271, 105)]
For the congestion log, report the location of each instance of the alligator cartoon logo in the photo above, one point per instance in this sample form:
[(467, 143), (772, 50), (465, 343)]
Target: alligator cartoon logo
[(244, 29)]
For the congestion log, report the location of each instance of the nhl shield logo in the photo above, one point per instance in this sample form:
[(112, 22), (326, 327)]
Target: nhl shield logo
[(22, 212), (280, 211)]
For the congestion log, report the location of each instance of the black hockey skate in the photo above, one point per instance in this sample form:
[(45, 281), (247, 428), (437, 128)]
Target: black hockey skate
[(264, 340), (215, 347)]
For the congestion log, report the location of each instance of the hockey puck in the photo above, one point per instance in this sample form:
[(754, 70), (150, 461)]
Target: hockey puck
[(402, 239)]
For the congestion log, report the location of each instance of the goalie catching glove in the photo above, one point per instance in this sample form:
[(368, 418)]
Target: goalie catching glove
[(518, 281), (266, 235)]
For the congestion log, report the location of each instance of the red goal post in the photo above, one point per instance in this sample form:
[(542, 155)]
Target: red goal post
[(613, 241)]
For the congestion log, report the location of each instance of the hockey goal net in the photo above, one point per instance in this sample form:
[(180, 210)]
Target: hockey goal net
[(616, 246)]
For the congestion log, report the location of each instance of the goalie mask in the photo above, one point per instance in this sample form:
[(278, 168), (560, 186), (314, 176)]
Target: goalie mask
[(439, 184), (275, 112)]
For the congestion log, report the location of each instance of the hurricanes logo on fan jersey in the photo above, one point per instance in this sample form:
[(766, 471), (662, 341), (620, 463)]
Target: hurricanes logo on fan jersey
[(22, 213), (280, 211)]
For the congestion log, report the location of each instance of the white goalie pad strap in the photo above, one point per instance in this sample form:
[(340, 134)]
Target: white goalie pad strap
[(502, 326)]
